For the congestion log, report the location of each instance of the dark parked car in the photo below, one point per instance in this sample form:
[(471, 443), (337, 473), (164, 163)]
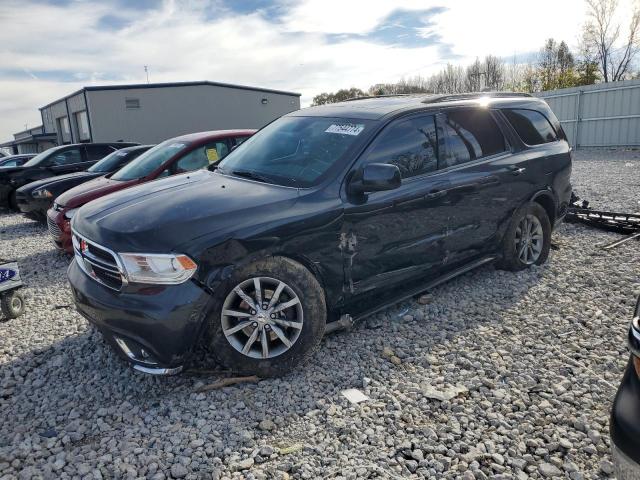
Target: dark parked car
[(327, 214), (50, 163), (35, 198), (176, 155), (15, 160), (625, 415)]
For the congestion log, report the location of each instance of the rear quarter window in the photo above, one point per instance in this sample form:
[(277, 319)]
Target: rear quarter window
[(531, 126), (470, 134)]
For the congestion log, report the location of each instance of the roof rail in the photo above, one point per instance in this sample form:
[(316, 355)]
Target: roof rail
[(472, 95), (365, 97)]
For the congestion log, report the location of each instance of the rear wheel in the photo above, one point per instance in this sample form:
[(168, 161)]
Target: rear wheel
[(527, 240), (268, 319)]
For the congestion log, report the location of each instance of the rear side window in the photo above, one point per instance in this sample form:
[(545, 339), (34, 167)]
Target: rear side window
[(411, 145), (67, 157), (532, 127), (470, 134)]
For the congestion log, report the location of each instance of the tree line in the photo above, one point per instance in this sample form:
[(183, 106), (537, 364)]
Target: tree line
[(607, 52)]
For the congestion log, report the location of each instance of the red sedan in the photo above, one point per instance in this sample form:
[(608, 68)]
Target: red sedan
[(176, 155)]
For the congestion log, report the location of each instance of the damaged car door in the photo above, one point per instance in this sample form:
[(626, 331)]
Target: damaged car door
[(474, 159), (397, 234)]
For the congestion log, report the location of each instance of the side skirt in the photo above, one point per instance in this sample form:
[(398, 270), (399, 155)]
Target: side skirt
[(426, 286)]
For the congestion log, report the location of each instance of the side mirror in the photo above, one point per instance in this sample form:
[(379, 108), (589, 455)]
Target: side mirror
[(376, 177)]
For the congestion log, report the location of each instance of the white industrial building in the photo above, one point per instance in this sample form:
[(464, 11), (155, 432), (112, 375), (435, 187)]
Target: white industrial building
[(151, 113)]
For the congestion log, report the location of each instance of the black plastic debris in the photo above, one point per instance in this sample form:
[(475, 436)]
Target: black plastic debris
[(625, 223)]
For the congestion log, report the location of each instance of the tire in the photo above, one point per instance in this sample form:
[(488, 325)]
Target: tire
[(511, 249), (12, 304), (310, 311), (13, 203), (36, 217)]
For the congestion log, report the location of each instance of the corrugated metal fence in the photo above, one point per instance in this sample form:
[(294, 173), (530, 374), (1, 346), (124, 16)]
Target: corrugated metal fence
[(601, 115)]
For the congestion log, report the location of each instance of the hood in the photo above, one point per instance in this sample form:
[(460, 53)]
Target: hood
[(161, 215), (96, 188), (54, 184)]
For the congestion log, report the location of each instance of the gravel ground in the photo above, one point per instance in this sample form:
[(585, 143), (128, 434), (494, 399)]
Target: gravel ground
[(528, 362)]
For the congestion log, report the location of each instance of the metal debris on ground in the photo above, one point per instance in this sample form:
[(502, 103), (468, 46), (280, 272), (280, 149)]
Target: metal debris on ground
[(226, 382), (354, 395), (444, 394), (626, 223)]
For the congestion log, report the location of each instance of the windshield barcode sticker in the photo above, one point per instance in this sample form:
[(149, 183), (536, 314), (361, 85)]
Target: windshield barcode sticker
[(346, 129)]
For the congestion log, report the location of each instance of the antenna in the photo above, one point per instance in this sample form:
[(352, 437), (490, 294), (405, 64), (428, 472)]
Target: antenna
[(146, 70)]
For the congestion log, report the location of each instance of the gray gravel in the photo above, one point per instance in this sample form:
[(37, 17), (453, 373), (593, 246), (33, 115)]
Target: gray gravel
[(493, 375)]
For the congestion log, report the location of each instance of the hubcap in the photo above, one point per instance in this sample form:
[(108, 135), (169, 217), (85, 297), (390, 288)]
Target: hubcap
[(262, 317), (529, 239), (16, 303)]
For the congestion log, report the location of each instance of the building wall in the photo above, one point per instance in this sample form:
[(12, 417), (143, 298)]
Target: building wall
[(66, 108), (601, 115), (170, 111)]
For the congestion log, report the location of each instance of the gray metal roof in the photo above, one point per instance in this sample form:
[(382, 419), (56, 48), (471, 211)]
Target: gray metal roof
[(136, 86)]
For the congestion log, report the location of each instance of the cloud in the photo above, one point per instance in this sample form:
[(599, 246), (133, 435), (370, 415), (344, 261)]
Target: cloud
[(51, 49)]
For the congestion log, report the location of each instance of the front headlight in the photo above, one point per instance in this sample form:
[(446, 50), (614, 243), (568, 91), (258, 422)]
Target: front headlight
[(164, 269), (41, 193), (70, 213)]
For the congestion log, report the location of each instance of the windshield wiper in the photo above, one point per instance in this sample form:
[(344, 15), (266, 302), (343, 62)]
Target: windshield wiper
[(251, 175)]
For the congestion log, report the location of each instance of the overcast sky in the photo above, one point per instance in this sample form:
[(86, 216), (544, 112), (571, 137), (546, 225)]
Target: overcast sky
[(50, 48)]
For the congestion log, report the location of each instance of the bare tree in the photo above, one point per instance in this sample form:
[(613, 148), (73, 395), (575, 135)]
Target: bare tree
[(602, 34), (548, 65), (473, 74), (494, 73)]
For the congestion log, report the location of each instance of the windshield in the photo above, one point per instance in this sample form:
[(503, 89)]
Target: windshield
[(112, 161), (294, 151), (149, 160), (42, 156)]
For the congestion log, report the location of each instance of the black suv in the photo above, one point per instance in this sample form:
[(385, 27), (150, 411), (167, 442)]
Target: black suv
[(625, 414), (321, 218), (52, 162)]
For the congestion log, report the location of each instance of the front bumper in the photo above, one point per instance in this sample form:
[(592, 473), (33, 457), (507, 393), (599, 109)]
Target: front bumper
[(625, 426), (59, 230), (30, 205), (153, 327)]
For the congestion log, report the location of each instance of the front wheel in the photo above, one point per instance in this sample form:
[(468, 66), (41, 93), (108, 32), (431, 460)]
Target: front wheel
[(527, 240), (12, 304), (13, 202), (268, 319)]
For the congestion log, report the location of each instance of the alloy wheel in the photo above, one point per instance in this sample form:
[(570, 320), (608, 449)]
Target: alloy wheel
[(529, 239), (262, 317)]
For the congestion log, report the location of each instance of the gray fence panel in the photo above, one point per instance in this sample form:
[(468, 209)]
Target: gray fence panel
[(602, 115)]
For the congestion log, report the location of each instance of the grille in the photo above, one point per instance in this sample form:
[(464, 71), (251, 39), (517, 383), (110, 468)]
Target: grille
[(54, 229), (99, 262)]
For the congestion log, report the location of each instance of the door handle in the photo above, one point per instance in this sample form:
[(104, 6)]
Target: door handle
[(436, 193), (518, 170)]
